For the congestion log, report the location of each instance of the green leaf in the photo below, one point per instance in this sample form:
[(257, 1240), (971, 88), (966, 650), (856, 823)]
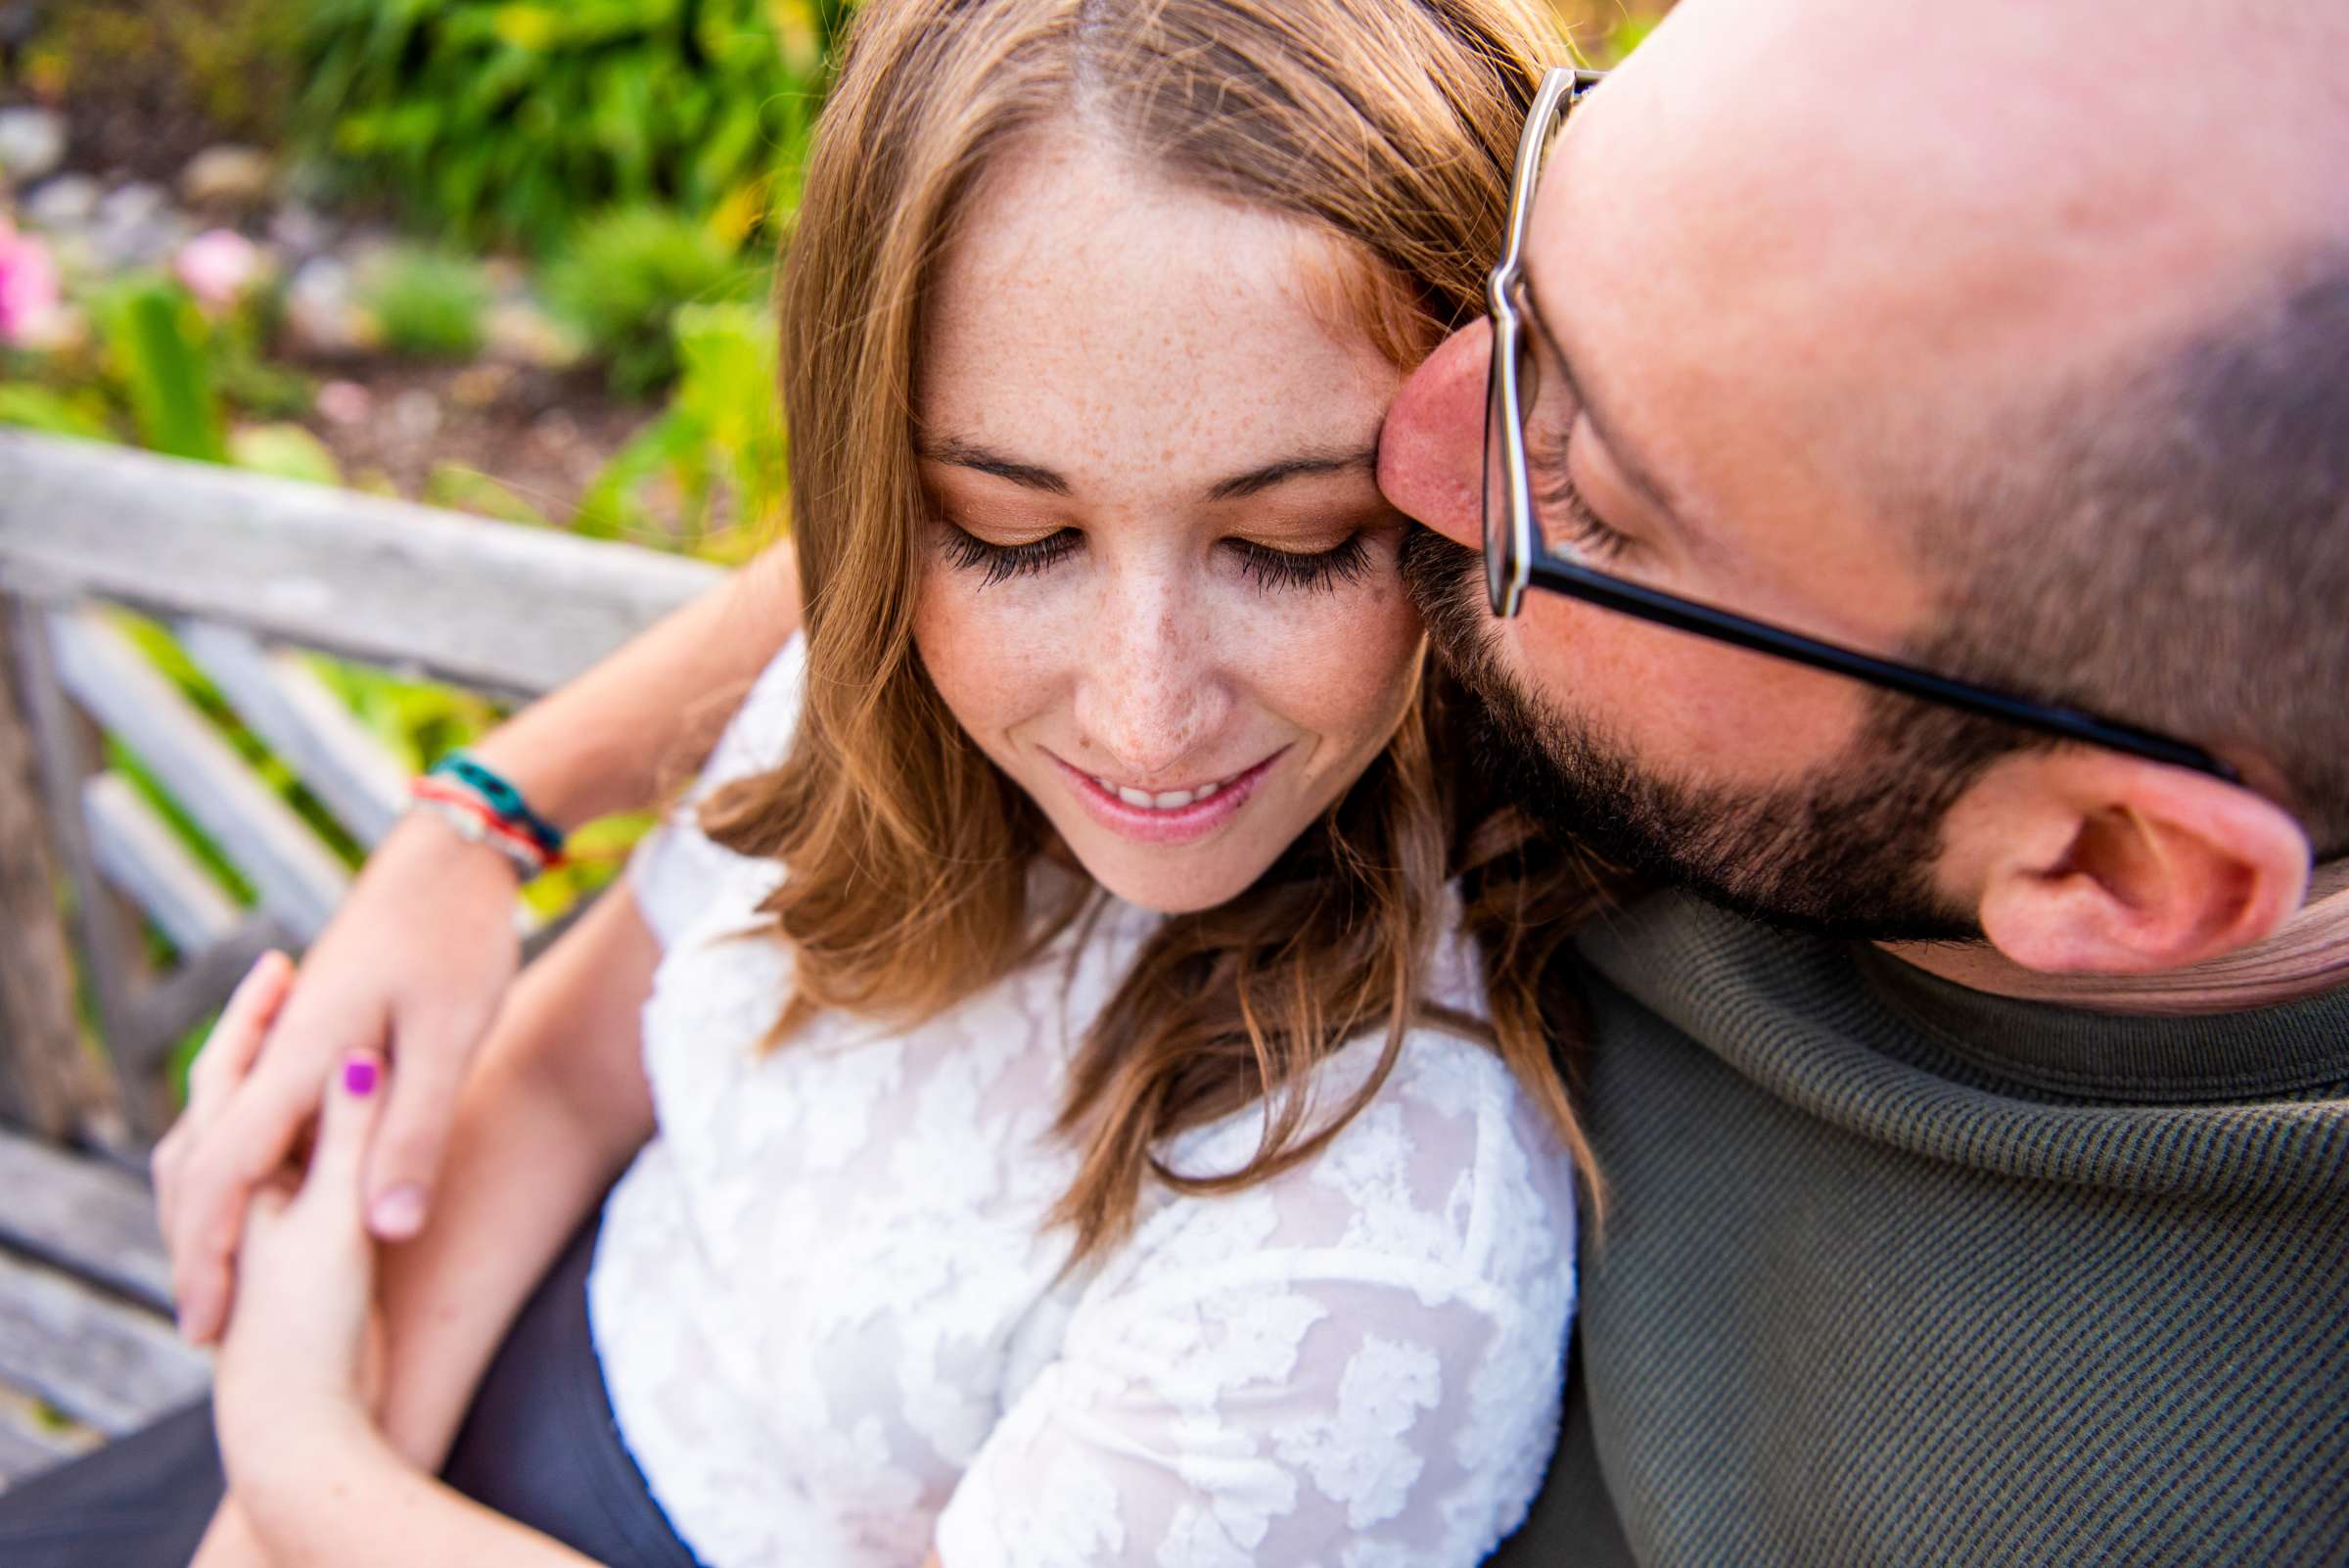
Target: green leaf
[(52, 413), (287, 451), (154, 336)]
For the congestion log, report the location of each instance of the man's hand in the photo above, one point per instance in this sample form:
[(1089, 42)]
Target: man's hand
[(413, 967)]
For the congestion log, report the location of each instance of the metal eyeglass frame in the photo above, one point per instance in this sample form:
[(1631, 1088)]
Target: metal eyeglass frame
[(1516, 557)]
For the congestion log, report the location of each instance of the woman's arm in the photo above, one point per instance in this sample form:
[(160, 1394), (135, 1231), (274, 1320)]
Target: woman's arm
[(420, 952), (356, 1505), (605, 741)]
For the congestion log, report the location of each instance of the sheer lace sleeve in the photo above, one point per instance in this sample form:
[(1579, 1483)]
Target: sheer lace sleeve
[(1354, 1365), (675, 867)]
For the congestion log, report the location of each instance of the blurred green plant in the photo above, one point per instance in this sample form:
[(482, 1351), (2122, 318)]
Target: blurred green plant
[(234, 62), (707, 476), (512, 120), (157, 349), (423, 302), (623, 276)]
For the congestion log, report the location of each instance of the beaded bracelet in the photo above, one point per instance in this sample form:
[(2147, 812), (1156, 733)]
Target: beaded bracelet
[(474, 823), (503, 800)]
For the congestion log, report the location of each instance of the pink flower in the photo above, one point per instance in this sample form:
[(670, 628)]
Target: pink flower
[(29, 291), (344, 402), (219, 265)]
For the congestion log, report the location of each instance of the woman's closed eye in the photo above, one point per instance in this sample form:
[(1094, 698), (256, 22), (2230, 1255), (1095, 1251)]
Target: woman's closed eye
[(968, 552), (1267, 566)]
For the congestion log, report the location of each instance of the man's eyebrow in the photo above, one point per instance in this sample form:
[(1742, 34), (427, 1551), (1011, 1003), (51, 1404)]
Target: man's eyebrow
[(963, 454), (1626, 457), (1258, 480)]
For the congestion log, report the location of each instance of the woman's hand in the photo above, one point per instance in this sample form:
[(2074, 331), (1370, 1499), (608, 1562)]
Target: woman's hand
[(415, 965), (294, 1369)]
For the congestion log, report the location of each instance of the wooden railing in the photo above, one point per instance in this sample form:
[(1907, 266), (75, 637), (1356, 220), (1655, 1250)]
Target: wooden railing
[(243, 569)]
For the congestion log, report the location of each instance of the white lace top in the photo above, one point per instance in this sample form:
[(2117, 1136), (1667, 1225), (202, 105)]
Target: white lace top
[(836, 1333)]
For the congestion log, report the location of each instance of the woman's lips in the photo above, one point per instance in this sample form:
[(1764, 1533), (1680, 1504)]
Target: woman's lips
[(1197, 811)]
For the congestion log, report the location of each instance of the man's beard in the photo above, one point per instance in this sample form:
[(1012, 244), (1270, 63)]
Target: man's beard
[(1848, 851)]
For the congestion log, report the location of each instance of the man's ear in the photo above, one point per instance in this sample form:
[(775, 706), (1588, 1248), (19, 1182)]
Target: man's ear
[(2087, 863)]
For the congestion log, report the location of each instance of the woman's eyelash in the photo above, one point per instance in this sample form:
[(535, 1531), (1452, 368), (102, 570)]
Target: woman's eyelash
[(1561, 499), (1000, 562), (1347, 561)]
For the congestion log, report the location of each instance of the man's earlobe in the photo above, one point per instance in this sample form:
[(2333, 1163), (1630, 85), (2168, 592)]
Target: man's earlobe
[(2109, 865)]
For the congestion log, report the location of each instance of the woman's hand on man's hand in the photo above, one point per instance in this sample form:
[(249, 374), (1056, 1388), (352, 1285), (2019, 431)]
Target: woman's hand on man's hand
[(414, 965)]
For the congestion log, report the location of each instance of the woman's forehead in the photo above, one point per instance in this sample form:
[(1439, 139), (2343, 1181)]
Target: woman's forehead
[(1090, 305)]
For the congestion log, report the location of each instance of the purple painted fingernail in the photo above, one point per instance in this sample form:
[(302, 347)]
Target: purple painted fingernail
[(359, 1076)]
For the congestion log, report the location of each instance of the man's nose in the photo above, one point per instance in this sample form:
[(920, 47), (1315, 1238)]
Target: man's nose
[(1152, 691), (1431, 454)]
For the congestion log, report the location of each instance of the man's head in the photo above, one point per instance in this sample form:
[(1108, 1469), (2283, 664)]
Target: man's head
[(2010, 343)]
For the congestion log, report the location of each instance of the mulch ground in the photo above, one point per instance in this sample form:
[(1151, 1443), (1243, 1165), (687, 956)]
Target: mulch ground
[(542, 434)]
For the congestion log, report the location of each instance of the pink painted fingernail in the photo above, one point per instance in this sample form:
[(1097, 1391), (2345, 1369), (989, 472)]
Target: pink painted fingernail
[(359, 1076), (398, 1214)]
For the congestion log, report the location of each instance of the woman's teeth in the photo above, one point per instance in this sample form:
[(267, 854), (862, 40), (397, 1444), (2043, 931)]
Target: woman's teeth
[(1165, 801)]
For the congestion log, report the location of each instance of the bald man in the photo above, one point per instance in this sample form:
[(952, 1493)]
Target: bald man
[(1972, 1105)]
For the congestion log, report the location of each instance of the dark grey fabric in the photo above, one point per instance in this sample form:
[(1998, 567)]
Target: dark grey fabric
[(538, 1445), (1900, 1273)]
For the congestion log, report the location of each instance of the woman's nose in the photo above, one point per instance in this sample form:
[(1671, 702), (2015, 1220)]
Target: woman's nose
[(1151, 692)]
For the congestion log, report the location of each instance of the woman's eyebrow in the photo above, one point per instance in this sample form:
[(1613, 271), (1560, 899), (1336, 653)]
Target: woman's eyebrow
[(1258, 480), (962, 454)]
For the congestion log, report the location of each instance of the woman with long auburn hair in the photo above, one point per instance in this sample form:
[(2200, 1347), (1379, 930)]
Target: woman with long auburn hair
[(1092, 1100)]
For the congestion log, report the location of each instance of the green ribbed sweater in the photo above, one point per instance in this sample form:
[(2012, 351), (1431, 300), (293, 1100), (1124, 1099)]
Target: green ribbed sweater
[(1898, 1272)]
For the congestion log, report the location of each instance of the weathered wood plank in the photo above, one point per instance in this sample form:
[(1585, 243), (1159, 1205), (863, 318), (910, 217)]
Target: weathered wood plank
[(494, 605), (169, 1010), (98, 1360), (64, 742), (299, 881), (42, 1082), (306, 724), (84, 1215), (136, 849)]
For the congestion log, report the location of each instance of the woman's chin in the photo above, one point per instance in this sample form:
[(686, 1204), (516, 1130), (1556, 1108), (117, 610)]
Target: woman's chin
[(1172, 881)]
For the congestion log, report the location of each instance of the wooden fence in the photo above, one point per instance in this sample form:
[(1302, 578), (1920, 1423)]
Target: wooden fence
[(245, 571)]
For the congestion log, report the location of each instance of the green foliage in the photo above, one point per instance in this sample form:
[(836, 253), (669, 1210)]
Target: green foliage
[(623, 275), (713, 461), (426, 304), (468, 489), (286, 451), (234, 62), (156, 346), (79, 413), (510, 119)]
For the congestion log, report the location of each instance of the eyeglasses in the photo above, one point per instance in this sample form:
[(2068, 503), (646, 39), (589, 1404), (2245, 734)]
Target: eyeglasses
[(1517, 555)]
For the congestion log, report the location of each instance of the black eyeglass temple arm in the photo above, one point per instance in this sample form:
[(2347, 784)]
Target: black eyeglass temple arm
[(1704, 620)]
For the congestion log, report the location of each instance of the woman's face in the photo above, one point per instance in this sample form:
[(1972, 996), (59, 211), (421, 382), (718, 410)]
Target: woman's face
[(1160, 588)]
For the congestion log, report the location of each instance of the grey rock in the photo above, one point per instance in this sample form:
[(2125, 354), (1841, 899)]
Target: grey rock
[(32, 141), (136, 226), (63, 204), (319, 310), (228, 176), (415, 414), (298, 229)]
